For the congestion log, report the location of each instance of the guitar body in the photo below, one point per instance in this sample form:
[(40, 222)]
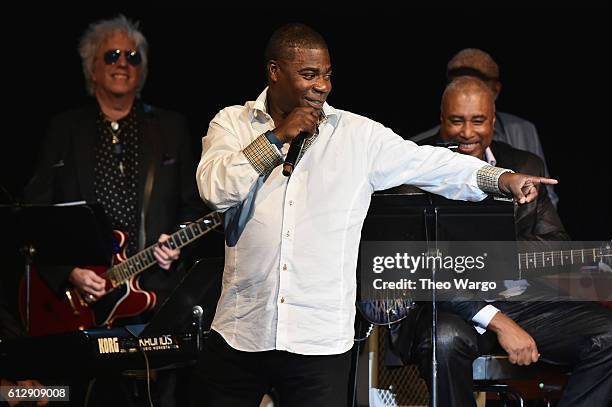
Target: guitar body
[(126, 300), (50, 314)]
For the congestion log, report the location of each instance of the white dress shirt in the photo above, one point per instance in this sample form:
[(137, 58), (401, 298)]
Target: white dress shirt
[(289, 281)]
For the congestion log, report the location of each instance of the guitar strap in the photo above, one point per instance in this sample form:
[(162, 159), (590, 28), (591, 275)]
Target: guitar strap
[(153, 137)]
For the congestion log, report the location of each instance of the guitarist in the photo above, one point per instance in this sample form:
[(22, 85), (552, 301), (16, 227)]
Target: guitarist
[(105, 151), (134, 159), (526, 330)]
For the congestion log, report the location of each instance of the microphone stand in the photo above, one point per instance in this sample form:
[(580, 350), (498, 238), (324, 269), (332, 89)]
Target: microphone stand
[(434, 336), (434, 316), (28, 253), (453, 146)]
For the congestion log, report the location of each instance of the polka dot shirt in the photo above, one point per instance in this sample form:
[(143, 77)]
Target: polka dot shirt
[(116, 173)]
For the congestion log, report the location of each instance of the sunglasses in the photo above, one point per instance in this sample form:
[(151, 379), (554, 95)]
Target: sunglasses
[(133, 57)]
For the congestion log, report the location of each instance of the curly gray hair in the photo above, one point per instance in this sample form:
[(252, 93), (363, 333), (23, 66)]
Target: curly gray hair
[(101, 30)]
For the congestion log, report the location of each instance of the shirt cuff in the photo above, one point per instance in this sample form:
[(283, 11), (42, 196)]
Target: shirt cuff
[(483, 317), (262, 155), (487, 179), (273, 139)]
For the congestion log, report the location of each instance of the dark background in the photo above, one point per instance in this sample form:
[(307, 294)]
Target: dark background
[(389, 65)]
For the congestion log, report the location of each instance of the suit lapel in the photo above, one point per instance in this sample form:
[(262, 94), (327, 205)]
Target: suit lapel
[(507, 158), (149, 152), (149, 162), (504, 156)]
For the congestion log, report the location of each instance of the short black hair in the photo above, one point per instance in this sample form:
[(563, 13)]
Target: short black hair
[(472, 62), (290, 36), (467, 84)]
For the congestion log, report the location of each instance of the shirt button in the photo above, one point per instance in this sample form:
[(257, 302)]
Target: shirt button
[(290, 203), (288, 234), (284, 267), (282, 300)]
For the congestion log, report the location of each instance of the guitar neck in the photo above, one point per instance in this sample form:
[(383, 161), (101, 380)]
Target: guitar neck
[(141, 261), (538, 260)]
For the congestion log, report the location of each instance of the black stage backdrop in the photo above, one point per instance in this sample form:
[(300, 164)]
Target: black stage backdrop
[(389, 65)]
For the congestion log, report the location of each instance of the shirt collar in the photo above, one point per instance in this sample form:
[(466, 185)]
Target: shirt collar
[(258, 109), (489, 157)]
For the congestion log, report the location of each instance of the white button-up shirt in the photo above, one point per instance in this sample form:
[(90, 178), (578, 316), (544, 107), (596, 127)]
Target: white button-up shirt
[(289, 281)]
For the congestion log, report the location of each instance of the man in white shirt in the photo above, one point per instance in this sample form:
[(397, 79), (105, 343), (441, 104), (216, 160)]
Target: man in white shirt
[(286, 313)]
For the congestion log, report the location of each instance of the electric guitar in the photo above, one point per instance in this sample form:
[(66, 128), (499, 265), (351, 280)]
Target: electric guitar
[(388, 310), (51, 314)]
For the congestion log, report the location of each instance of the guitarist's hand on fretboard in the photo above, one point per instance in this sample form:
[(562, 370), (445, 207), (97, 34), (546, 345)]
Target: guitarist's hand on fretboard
[(164, 254), (91, 285)]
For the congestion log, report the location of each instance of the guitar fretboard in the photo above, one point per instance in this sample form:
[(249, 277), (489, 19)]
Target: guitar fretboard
[(122, 272), (562, 257)]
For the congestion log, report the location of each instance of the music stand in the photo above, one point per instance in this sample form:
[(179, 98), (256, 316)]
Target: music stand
[(201, 285), (60, 235), (488, 220), (407, 213)]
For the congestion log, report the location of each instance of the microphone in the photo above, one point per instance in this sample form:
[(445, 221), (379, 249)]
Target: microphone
[(294, 152), (198, 313)]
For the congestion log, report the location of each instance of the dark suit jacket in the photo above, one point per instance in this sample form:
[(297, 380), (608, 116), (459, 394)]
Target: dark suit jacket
[(537, 220), (65, 172)]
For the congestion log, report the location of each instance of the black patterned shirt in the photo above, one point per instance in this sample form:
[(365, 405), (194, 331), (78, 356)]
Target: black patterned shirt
[(116, 173)]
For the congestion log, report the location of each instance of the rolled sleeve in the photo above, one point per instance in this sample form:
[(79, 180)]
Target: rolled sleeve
[(225, 175)]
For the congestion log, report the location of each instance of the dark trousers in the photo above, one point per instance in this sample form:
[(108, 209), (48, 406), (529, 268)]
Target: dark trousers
[(123, 391), (575, 334), (228, 377)]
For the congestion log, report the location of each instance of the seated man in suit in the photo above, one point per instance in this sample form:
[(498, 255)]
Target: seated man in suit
[(576, 334)]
